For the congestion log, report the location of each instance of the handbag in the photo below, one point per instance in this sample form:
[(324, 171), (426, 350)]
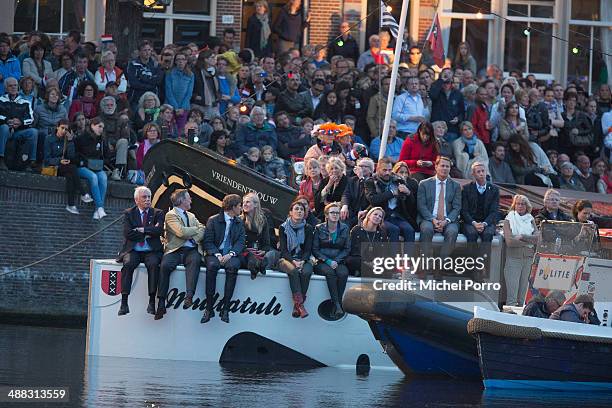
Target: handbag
[(95, 164), (49, 171)]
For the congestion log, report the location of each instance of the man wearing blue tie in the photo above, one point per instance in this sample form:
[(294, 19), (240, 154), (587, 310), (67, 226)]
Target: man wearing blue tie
[(224, 241), (142, 228)]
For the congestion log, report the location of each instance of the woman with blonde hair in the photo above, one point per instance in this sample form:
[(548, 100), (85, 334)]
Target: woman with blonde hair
[(401, 169), (152, 135), (109, 72), (464, 58), (469, 149), (148, 110), (363, 238), (312, 181), (256, 256), (333, 185), (520, 235)]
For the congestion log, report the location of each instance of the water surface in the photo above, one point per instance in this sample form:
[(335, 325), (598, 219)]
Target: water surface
[(42, 356)]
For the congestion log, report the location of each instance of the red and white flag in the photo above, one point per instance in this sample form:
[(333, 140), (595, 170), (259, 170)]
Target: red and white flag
[(435, 42)]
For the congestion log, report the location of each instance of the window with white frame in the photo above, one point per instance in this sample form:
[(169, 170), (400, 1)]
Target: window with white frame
[(182, 22), (54, 17), (528, 44), (589, 29)]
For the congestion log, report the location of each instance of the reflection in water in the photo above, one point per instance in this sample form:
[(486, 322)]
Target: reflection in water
[(37, 356)]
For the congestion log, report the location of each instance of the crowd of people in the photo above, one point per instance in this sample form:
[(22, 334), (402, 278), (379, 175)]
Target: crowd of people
[(72, 109), (259, 104)]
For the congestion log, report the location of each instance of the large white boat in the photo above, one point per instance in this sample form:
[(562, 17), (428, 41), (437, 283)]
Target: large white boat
[(261, 331)]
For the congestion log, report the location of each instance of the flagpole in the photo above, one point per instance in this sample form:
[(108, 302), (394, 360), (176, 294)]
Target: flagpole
[(396, 61)]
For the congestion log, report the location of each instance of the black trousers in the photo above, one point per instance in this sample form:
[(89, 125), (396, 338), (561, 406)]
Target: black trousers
[(353, 263), (299, 280), (131, 260), (191, 258), (336, 279), (73, 182), (231, 274)]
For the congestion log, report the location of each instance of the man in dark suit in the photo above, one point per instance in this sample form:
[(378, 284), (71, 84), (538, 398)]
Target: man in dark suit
[(224, 241), (480, 213), (397, 197), (480, 206), (313, 96), (142, 228), (439, 206), (354, 199)]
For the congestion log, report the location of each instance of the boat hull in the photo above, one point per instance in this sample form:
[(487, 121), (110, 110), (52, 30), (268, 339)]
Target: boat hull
[(520, 352), (421, 336), (261, 331)]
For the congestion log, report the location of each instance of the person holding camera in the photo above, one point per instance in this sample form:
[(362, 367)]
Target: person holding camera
[(397, 197), (142, 229)]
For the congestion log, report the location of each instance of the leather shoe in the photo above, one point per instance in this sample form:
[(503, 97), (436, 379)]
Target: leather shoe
[(123, 310), (253, 274), (188, 301), (224, 316), (161, 311), (151, 308), (208, 314)]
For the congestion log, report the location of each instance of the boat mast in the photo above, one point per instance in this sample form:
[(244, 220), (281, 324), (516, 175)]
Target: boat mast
[(398, 52)]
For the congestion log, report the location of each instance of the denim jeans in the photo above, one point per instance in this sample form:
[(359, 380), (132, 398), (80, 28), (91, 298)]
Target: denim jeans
[(97, 184), (30, 135), (397, 225)]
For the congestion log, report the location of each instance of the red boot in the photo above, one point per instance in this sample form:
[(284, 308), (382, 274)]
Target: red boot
[(297, 298), (301, 308)]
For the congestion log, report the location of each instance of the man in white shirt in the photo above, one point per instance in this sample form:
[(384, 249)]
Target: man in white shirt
[(409, 110), (439, 206), (224, 241)]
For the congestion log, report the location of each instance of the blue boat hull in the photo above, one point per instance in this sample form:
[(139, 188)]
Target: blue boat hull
[(553, 364), (416, 355)]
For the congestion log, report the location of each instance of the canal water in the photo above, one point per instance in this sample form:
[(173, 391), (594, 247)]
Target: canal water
[(47, 357)]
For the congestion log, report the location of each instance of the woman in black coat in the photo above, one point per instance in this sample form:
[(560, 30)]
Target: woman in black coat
[(60, 151), (257, 254), (330, 247), (258, 31), (296, 237), (332, 187), (365, 238)]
